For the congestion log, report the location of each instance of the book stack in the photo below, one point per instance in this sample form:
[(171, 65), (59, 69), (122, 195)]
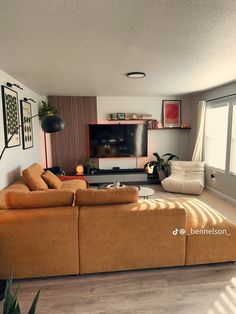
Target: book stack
[(152, 124)]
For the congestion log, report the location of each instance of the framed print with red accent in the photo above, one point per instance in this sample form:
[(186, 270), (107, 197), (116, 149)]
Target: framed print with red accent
[(171, 113)]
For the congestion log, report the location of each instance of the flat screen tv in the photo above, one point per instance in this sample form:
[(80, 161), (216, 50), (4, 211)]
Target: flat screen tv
[(117, 140)]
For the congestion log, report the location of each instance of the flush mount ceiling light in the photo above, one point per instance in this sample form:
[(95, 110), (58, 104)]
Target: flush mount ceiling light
[(136, 75)]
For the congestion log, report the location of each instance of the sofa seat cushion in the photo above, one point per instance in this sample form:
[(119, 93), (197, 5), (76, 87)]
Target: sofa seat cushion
[(182, 185), (52, 180), (75, 177), (33, 177), (131, 236), (106, 196), (39, 242), (73, 185), (38, 199), (18, 185), (211, 237)]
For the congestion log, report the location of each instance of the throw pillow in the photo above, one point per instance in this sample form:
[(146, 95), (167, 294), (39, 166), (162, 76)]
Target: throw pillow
[(52, 180), (32, 176)]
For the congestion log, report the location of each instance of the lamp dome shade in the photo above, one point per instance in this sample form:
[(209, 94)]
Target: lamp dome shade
[(52, 123)]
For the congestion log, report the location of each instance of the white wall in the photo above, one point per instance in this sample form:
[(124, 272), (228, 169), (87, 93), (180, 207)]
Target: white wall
[(223, 182), (15, 159), (161, 141)]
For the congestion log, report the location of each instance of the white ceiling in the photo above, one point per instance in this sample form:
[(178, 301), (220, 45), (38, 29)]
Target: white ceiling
[(85, 47)]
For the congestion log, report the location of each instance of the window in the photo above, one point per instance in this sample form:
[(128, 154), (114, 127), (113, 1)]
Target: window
[(232, 168), (216, 129)]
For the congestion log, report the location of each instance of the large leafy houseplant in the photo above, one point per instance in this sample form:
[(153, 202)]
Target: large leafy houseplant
[(11, 304), (47, 109), (161, 166)]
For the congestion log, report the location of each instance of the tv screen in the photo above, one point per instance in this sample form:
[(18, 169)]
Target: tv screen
[(117, 140)]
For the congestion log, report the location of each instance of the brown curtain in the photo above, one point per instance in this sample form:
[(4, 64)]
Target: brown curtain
[(71, 144)]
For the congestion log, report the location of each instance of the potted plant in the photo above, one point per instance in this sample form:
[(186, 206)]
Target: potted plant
[(87, 164), (11, 304), (161, 166), (47, 109)]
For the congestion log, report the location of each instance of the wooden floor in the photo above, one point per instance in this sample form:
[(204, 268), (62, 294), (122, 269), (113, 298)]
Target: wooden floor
[(209, 289)]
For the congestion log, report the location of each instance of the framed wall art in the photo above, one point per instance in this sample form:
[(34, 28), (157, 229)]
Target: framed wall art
[(27, 126), (121, 116), (113, 116), (171, 113), (10, 117)]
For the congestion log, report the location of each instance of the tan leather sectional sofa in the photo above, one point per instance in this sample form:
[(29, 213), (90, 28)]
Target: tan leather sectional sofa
[(62, 232)]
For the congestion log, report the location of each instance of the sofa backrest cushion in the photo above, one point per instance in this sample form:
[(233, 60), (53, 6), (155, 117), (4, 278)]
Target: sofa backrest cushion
[(124, 195), (18, 185), (33, 177), (193, 170), (52, 180), (38, 199)]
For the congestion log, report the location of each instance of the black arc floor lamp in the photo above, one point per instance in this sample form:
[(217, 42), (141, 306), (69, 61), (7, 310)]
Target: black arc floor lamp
[(50, 123)]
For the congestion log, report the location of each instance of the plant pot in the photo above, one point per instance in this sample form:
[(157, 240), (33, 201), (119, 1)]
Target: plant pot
[(161, 175), (87, 169)]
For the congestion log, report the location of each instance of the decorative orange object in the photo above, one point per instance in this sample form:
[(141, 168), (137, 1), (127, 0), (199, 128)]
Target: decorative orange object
[(184, 126), (79, 170)]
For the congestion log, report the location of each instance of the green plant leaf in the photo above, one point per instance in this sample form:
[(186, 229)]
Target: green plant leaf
[(157, 156), (33, 306), (8, 300), (173, 157), (11, 305), (17, 309), (16, 292)]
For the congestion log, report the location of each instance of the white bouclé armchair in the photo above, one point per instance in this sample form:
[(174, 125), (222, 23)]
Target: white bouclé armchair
[(186, 177)]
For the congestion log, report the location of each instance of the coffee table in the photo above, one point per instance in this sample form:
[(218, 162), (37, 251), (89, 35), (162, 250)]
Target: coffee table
[(143, 191)]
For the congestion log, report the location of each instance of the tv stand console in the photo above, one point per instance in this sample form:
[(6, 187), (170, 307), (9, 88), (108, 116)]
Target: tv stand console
[(106, 176)]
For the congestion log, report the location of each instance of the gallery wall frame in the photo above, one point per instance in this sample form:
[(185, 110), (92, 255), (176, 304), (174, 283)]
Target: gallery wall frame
[(27, 125), (171, 113), (11, 117)]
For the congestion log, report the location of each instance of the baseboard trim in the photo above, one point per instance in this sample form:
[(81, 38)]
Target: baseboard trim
[(227, 198)]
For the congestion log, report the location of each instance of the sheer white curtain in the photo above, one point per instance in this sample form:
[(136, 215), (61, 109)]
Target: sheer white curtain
[(198, 149)]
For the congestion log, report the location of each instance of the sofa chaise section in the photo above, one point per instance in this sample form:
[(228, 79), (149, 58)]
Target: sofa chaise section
[(131, 236), (39, 242), (211, 237), (39, 228)]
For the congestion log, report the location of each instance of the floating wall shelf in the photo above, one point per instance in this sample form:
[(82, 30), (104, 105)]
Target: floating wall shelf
[(170, 129), (145, 120)]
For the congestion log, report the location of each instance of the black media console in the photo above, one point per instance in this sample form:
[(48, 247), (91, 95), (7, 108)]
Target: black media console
[(102, 176)]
